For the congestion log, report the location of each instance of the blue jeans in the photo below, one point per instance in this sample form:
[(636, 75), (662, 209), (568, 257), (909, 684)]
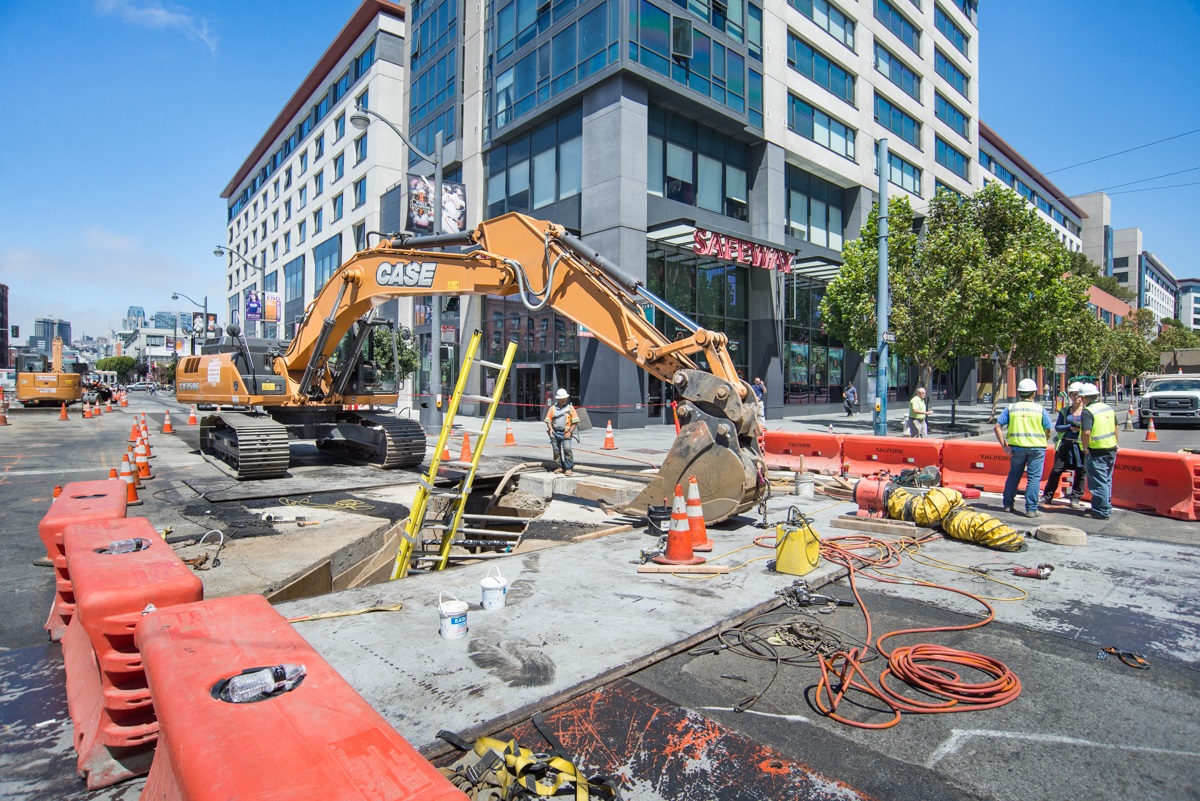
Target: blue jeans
[(1030, 462), (564, 455), (1100, 472)]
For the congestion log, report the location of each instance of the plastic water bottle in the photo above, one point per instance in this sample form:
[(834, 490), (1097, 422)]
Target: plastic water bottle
[(123, 546), (251, 686)]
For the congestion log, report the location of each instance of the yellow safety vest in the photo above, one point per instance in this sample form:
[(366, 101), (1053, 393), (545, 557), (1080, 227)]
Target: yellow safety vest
[(1025, 425), (1104, 427)]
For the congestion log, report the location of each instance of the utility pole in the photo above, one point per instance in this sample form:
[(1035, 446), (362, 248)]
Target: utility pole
[(882, 301)]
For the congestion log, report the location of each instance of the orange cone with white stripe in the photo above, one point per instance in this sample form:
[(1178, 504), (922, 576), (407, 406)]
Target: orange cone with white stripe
[(465, 454), (679, 537), (108, 405), (192, 417), (695, 516), (87, 411), (1151, 435), (127, 475), (610, 444), (143, 464), (167, 423), (135, 433), (124, 399), (509, 439)]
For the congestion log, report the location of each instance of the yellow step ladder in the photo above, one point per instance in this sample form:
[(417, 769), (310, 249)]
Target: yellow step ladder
[(410, 541)]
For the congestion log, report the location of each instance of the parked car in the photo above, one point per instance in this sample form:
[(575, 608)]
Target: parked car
[(138, 386)]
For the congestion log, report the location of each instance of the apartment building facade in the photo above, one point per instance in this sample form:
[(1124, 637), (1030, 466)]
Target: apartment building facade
[(1189, 303)]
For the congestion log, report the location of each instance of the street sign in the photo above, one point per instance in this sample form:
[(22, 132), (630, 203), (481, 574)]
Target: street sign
[(1060, 363), (889, 337)]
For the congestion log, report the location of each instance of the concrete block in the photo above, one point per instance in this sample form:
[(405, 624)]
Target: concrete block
[(1061, 535)]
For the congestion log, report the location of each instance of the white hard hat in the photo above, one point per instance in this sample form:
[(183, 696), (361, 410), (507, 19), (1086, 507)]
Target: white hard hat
[(561, 395), (1075, 387), (1089, 390), (1027, 385)]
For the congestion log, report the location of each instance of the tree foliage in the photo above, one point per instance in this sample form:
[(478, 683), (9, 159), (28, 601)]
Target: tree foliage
[(1174, 336), (1133, 351), (1082, 266), (123, 366), (381, 342)]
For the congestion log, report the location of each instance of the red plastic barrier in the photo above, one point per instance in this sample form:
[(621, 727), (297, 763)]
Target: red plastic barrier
[(815, 453), (81, 502), (868, 455), (320, 740), (1167, 484), (982, 464), (109, 702)]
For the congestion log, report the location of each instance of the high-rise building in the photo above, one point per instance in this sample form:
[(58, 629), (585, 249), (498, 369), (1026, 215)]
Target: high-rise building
[(135, 317), (652, 129), (47, 328), (4, 326), (1001, 162), (1189, 303), (1097, 229)]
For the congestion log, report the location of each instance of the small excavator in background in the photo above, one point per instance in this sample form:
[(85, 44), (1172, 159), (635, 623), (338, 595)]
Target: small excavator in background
[(302, 387), (41, 384)]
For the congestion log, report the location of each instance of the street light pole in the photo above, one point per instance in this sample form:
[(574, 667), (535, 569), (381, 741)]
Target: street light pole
[(204, 306), (218, 250), (881, 300), (360, 120)]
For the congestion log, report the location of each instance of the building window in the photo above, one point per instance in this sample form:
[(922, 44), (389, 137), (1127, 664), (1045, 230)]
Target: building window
[(304, 162), (287, 209), (360, 237), (828, 17), (697, 165), (275, 190), (287, 242), (898, 24), (275, 220), (952, 159), (303, 198), (953, 75), (293, 294), (754, 33), (360, 148), (897, 121), (946, 112), (318, 221), (896, 72), (902, 173), (301, 232), (318, 183), (319, 147), (817, 67), (287, 178), (954, 34), (536, 169), (337, 207), (360, 192), (812, 123), (814, 208), (339, 126), (339, 166), (327, 257), (275, 250)]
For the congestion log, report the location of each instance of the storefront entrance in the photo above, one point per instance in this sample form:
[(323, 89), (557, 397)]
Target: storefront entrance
[(529, 398)]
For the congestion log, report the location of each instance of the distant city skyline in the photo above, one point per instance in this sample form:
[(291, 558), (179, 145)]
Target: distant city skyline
[(119, 167)]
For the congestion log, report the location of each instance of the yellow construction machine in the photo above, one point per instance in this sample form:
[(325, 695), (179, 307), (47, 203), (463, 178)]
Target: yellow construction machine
[(39, 384), (302, 386)]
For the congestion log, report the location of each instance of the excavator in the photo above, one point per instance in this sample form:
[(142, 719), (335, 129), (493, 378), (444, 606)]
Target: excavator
[(302, 386), (39, 384)]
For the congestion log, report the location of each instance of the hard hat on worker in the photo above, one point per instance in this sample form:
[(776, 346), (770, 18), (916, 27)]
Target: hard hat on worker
[(1075, 387), (561, 395), (1089, 391), (1027, 385)]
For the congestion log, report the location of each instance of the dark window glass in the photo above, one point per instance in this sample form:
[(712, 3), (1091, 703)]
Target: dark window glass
[(898, 24), (956, 77), (947, 113), (816, 66), (897, 121), (952, 32)]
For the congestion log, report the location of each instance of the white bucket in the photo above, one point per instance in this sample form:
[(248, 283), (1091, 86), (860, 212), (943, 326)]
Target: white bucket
[(495, 589), (453, 617), (805, 485)]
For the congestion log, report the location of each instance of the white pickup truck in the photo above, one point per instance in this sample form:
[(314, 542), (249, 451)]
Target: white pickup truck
[(1170, 398)]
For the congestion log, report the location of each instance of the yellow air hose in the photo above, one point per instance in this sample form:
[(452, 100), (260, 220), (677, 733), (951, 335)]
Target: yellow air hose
[(945, 507), (924, 510)]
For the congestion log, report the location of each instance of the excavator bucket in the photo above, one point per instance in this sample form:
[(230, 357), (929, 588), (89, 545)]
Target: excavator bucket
[(726, 475)]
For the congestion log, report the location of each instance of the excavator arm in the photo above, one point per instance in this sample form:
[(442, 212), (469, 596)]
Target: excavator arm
[(547, 267)]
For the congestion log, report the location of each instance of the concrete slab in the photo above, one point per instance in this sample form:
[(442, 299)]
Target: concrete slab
[(330, 479), (576, 617)]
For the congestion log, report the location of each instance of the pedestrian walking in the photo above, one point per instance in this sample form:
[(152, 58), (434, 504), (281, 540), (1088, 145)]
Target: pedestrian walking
[(1067, 455), (561, 422), (1098, 441), (850, 400), (760, 394), (1023, 429), (918, 415)]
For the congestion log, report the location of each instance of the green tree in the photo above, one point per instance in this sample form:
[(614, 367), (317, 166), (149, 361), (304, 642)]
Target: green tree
[(1082, 266), (381, 342), (1175, 337), (123, 366), (1133, 353), (1032, 295)]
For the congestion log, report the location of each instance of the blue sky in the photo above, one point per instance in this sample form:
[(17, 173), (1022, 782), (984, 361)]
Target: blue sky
[(124, 120)]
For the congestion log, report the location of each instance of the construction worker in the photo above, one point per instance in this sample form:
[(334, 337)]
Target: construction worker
[(1098, 441), (1067, 456), (561, 422), (1023, 429)]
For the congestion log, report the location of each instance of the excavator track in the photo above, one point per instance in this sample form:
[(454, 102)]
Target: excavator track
[(252, 444), (392, 441)]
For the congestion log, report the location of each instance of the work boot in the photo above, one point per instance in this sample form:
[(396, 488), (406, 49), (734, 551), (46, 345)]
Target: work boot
[(1075, 504), (558, 470), (568, 473), (1009, 509), (1034, 513)]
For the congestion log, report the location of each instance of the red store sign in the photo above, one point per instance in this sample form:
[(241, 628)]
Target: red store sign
[(730, 248)]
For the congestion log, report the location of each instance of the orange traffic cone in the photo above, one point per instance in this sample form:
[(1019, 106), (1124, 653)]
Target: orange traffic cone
[(610, 444), (62, 413), (124, 400), (108, 405), (1151, 436), (134, 432), (143, 464), (127, 465), (192, 417), (679, 537), (509, 439), (695, 516), (87, 411), (3, 414), (131, 495), (465, 455), (97, 409), (112, 472), (1129, 418), (146, 440), (167, 424), (57, 491)]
